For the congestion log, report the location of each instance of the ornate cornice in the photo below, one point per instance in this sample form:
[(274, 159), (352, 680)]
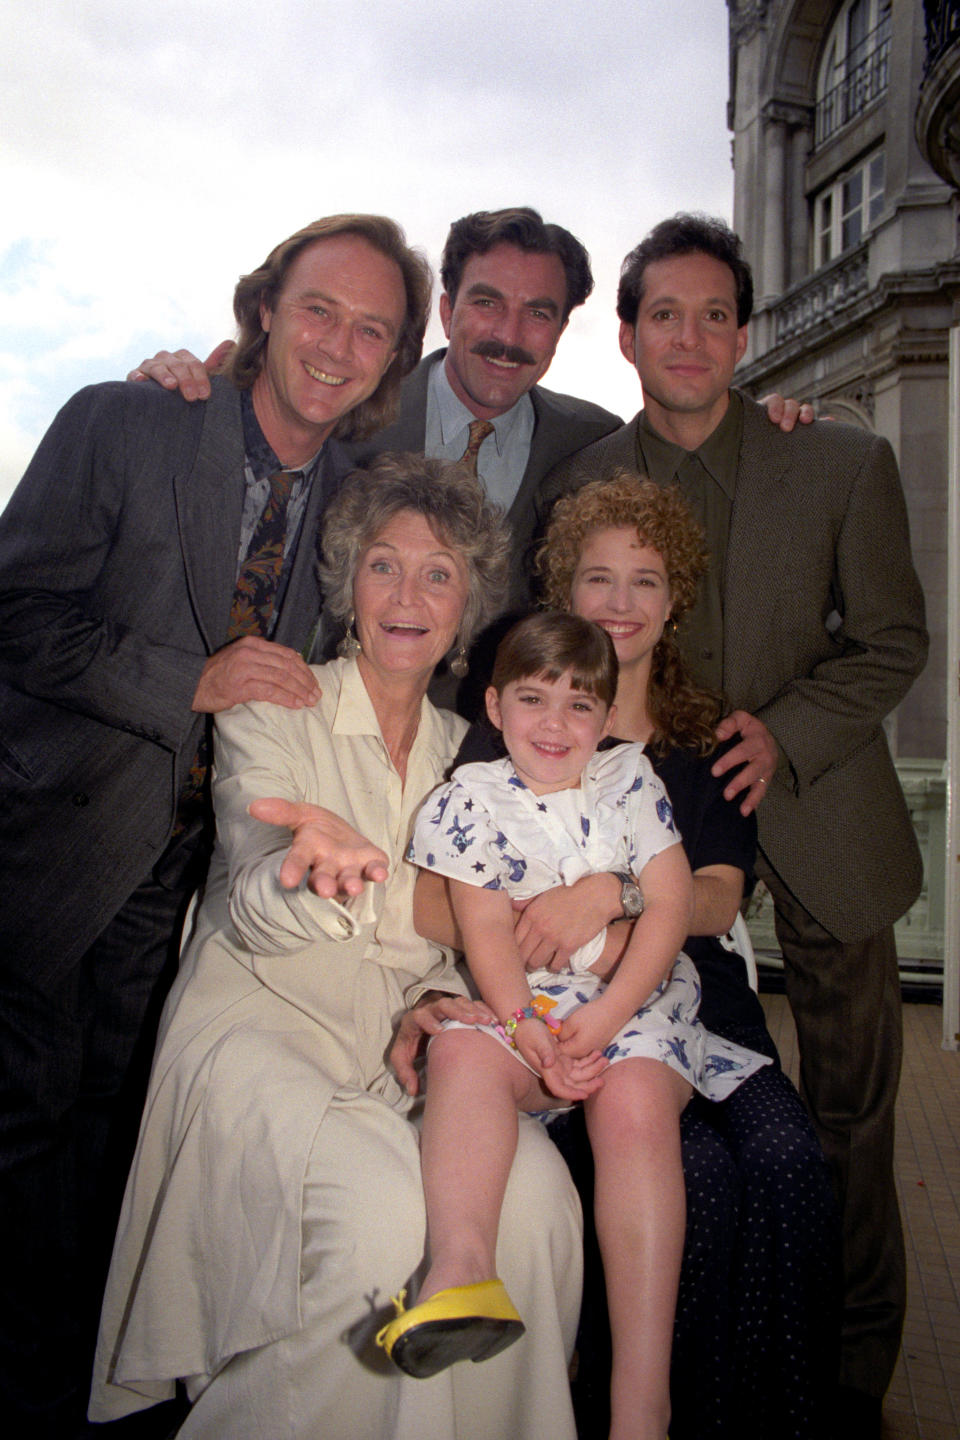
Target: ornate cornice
[(904, 356)]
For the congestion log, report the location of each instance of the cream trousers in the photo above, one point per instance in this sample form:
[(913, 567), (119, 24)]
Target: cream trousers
[(363, 1240)]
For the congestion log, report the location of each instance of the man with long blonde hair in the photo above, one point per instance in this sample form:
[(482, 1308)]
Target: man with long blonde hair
[(157, 566)]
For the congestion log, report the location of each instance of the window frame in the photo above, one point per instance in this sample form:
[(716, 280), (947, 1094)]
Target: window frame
[(836, 213)]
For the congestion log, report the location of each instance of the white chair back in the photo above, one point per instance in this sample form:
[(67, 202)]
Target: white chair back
[(737, 939)]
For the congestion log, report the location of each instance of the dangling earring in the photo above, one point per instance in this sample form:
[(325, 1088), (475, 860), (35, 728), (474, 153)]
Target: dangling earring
[(459, 665), (349, 647)]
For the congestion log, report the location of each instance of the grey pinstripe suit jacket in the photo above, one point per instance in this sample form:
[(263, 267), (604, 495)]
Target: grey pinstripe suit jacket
[(117, 567)]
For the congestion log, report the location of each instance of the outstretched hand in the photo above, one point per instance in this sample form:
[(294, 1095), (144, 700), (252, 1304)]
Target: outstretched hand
[(337, 859)]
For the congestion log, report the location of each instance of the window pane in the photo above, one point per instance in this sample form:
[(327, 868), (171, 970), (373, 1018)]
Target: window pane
[(826, 215), (857, 27), (851, 229), (875, 187), (876, 173), (823, 212), (853, 192)]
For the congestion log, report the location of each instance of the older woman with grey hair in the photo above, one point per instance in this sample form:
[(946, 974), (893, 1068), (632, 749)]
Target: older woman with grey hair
[(275, 1202)]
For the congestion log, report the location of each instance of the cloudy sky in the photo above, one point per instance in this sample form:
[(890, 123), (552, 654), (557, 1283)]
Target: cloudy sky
[(154, 152)]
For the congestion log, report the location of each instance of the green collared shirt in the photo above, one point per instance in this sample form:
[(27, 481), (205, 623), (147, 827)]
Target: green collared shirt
[(707, 478)]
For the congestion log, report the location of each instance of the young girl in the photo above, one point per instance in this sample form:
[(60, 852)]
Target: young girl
[(629, 1047)]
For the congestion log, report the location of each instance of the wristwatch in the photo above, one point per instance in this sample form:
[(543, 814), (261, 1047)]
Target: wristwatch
[(631, 896)]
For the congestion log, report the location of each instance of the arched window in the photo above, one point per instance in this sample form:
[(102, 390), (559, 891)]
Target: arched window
[(855, 67)]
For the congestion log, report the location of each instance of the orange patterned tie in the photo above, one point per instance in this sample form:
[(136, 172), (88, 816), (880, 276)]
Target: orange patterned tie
[(479, 430), (258, 581)]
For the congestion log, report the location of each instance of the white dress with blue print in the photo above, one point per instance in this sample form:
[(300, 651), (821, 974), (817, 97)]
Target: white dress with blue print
[(486, 828)]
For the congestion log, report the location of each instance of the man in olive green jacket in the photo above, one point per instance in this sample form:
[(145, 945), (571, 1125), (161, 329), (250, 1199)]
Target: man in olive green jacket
[(811, 620)]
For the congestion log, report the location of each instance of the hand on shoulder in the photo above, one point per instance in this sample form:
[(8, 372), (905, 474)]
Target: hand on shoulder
[(182, 370)]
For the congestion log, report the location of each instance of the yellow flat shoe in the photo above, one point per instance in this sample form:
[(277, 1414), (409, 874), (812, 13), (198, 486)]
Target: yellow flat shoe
[(466, 1322)]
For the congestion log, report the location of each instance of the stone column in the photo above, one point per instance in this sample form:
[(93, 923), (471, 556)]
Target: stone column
[(774, 206), (799, 222)]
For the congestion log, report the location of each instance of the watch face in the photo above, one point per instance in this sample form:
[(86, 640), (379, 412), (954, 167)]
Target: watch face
[(631, 899)]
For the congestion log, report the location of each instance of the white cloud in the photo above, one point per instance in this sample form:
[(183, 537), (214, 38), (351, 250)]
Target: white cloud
[(152, 155)]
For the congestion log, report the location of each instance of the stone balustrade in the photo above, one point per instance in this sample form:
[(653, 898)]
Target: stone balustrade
[(820, 297)]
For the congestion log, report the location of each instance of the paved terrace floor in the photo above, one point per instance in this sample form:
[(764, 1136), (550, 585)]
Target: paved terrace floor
[(923, 1402)]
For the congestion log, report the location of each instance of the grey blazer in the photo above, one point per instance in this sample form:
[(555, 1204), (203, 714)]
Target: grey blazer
[(563, 425), (118, 560), (819, 527)]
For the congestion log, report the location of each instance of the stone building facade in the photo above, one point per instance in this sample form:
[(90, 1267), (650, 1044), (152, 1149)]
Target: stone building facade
[(846, 155)]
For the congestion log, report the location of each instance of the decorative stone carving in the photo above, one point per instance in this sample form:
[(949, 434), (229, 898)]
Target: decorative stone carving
[(937, 124), (821, 297)]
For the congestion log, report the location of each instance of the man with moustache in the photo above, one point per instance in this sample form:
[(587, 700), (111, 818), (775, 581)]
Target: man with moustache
[(811, 620), (510, 283), (157, 566)]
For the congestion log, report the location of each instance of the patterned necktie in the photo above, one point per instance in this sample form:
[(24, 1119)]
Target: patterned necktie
[(251, 613), (255, 594), (479, 430)]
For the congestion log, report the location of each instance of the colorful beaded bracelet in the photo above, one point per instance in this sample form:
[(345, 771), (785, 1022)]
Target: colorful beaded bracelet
[(529, 1012)]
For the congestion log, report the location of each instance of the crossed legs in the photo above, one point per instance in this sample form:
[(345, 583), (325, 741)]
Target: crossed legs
[(475, 1090)]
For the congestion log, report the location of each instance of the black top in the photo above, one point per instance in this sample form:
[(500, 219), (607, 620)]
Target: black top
[(713, 833)]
